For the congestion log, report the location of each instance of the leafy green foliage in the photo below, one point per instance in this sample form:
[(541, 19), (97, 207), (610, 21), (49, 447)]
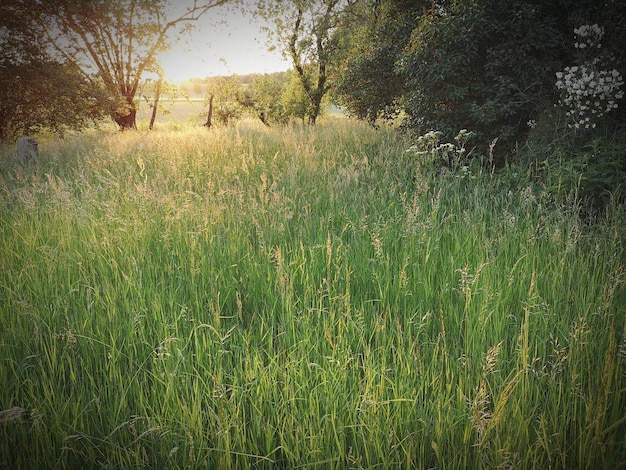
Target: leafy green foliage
[(37, 91), (228, 96), (369, 95), (296, 101), (305, 32), (47, 95), (263, 98), (277, 98), (485, 66), (372, 38), (489, 67)]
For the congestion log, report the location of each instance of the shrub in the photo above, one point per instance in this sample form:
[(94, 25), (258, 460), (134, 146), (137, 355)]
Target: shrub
[(486, 66)]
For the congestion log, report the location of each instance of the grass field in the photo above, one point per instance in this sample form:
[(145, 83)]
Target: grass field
[(302, 298)]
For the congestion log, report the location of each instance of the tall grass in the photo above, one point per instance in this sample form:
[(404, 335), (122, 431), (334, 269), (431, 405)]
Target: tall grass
[(301, 297)]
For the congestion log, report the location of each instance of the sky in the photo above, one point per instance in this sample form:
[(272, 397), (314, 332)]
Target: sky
[(223, 42)]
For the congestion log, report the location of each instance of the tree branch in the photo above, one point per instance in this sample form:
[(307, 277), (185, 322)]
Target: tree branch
[(193, 14), (295, 57)]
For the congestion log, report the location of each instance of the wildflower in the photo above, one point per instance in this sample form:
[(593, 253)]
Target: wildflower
[(428, 147), (588, 93)]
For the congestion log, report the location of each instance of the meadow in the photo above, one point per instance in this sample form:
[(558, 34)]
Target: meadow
[(174, 113), (302, 297)]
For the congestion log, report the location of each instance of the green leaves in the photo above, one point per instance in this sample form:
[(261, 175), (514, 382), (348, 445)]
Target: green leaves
[(372, 38), (305, 31), (47, 95), (479, 66)]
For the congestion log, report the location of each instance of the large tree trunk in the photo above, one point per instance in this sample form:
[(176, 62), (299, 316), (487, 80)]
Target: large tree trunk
[(316, 103), (126, 115), (127, 122)]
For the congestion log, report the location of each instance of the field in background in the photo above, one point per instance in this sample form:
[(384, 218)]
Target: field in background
[(182, 112), (302, 297)]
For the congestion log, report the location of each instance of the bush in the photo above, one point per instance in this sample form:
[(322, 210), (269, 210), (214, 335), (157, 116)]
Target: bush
[(485, 66)]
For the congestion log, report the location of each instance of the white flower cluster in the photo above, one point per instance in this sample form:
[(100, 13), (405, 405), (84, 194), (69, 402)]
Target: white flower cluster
[(430, 148), (588, 93), (589, 36)]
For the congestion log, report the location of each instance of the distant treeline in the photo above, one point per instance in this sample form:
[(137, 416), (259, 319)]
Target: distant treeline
[(197, 87)]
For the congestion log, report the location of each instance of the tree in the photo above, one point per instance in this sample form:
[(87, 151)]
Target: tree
[(157, 97), (37, 91), (152, 90), (294, 99), (373, 37), (484, 66), (48, 95), (490, 66), (304, 30), (117, 41), (209, 119), (228, 95), (261, 98)]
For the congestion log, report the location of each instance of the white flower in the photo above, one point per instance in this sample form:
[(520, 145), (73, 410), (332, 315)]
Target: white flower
[(587, 92)]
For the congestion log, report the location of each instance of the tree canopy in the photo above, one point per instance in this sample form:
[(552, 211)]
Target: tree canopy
[(373, 36), (487, 66), (111, 42), (305, 30), (36, 90)]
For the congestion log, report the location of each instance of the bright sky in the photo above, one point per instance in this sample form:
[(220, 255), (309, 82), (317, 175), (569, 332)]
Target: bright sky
[(222, 43)]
